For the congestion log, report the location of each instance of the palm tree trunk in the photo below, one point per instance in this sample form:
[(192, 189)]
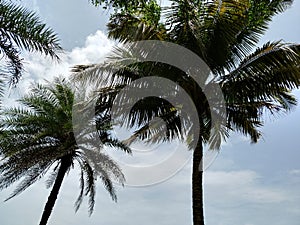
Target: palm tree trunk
[(197, 188), (64, 166)]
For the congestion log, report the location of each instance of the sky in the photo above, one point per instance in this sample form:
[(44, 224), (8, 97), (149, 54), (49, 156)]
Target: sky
[(248, 184)]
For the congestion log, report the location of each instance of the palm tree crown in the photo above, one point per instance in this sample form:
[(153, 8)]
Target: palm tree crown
[(222, 33)]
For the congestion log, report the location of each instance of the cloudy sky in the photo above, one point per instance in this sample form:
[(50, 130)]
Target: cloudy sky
[(246, 185)]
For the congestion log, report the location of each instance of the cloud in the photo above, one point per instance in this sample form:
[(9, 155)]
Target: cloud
[(247, 197), (243, 186), (294, 172), (96, 47), (39, 68)]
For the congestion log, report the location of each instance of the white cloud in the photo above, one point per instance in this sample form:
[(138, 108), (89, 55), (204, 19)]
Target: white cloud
[(39, 68), (96, 47), (247, 197), (232, 178), (295, 172), (242, 186)]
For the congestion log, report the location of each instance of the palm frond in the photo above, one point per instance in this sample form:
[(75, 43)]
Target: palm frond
[(32, 175), (266, 74), (14, 67), (23, 28)]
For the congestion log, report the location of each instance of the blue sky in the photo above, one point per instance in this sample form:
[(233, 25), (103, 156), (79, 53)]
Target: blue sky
[(247, 184)]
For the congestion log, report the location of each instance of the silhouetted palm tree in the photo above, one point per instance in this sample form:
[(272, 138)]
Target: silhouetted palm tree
[(38, 138), (224, 34)]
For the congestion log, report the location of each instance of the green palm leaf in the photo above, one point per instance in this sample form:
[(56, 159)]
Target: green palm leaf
[(20, 30)]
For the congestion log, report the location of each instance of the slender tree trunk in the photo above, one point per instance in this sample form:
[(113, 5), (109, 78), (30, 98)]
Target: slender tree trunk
[(55, 189), (197, 188)]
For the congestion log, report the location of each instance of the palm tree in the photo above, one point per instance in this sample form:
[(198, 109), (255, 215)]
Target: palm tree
[(39, 137), (224, 34), (21, 29), (119, 4)]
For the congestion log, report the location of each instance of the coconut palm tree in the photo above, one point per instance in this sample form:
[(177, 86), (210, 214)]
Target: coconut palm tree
[(119, 4), (38, 138), (224, 34), (20, 30)]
